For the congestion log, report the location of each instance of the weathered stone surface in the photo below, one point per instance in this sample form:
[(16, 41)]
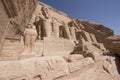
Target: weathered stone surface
[(4, 19), (12, 49), (96, 56), (15, 15), (70, 47), (57, 46), (86, 36), (47, 68), (77, 65), (111, 65), (88, 47), (93, 38), (73, 57), (96, 71), (113, 44), (99, 30)]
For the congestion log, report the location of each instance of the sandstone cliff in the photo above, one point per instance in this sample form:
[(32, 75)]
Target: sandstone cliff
[(101, 32), (113, 43)]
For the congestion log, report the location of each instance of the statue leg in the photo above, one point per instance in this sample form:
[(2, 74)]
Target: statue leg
[(56, 31), (48, 29), (38, 31), (26, 45), (67, 33)]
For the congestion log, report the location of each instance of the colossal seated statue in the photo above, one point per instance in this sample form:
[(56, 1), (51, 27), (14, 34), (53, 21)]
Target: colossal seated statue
[(47, 22), (64, 31), (39, 27), (74, 28)]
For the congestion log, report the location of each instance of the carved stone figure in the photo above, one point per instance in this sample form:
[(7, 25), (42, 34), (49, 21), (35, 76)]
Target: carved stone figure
[(47, 27), (64, 58), (30, 36), (72, 32), (13, 30), (73, 23), (45, 12), (73, 29), (64, 31), (47, 22), (55, 28), (39, 27)]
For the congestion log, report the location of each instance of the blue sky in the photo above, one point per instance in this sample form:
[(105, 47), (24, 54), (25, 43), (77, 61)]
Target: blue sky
[(106, 12)]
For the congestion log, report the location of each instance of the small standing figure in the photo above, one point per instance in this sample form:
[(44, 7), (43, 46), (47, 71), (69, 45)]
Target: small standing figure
[(39, 27), (73, 27), (30, 35)]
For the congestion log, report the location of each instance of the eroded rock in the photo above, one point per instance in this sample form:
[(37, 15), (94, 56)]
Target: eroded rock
[(64, 48), (113, 44)]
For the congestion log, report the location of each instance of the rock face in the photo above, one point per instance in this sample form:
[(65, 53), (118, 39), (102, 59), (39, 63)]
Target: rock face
[(99, 30), (34, 69), (14, 16), (56, 46), (113, 43)]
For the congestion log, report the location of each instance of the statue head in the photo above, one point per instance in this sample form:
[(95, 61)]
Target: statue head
[(71, 23), (45, 12)]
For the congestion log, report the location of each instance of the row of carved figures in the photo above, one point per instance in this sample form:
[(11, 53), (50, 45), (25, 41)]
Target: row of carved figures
[(48, 27)]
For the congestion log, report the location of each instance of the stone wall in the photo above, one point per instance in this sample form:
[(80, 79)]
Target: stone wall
[(113, 44), (44, 68), (65, 48), (47, 68), (59, 33), (58, 47), (14, 16), (4, 19)]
